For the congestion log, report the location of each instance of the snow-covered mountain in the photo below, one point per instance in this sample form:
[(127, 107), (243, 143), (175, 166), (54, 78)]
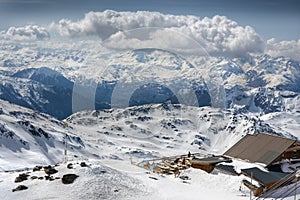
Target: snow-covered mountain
[(110, 108), (158, 130), (41, 89), (108, 139), (147, 131), (29, 138), (258, 84), (261, 84)]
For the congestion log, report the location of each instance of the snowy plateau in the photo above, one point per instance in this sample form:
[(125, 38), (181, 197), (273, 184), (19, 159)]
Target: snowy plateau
[(175, 105)]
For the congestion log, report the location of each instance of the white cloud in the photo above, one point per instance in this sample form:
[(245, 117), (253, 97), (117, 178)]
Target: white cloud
[(284, 48), (26, 33), (218, 35)]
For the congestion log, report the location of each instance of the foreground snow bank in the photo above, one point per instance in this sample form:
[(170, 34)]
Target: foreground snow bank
[(94, 182)]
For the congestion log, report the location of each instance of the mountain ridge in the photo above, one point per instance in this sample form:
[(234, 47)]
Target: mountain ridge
[(256, 84)]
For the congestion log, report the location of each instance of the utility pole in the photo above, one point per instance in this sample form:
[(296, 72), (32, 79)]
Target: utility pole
[(297, 178), (251, 186), (66, 144), (295, 197)]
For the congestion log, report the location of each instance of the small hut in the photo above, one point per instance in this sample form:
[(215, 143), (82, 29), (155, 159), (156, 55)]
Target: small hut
[(208, 164), (265, 179)]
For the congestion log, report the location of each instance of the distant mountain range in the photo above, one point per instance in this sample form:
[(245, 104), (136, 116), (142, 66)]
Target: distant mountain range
[(258, 84)]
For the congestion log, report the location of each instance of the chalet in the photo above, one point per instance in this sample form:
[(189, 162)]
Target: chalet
[(265, 149)]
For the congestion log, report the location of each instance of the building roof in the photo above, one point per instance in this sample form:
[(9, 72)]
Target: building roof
[(211, 160), (227, 168), (260, 148), (264, 177)]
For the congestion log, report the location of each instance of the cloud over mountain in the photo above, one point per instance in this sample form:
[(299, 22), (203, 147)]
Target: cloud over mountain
[(284, 48), (218, 35), (26, 33)]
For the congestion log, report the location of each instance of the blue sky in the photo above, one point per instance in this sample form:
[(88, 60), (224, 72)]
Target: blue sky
[(270, 18)]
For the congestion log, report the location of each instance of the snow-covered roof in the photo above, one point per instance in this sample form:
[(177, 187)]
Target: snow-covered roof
[(260, 148), (264, 177)]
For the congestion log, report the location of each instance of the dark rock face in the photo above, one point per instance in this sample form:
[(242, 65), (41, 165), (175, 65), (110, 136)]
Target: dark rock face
[(34, 130), (50, 170), (69, 178), (19, 188), (70, 166), (83, 164), (49, 178), (7, 136), (267, 101), (52, 87), (152, 93), (21, 177), (37, 168)]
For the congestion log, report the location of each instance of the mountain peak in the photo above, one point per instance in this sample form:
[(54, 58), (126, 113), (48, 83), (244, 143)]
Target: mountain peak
[(44, 75)]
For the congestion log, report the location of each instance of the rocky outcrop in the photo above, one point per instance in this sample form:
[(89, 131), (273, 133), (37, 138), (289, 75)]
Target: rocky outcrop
[(21, 177), (19, 188), (69, 178)]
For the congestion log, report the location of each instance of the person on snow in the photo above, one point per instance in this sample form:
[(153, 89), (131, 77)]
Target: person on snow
[(183, 161), (189, 154)]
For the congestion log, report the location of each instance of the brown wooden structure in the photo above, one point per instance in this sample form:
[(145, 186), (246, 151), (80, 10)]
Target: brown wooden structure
[(208, 164), (264, 148), (267, 180), (174, 164)]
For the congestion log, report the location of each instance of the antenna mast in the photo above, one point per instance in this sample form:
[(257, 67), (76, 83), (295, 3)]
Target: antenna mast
[(66, 144)]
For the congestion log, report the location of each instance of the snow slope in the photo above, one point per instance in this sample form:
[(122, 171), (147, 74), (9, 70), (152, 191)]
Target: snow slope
[(28, 138), (108, 139)]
